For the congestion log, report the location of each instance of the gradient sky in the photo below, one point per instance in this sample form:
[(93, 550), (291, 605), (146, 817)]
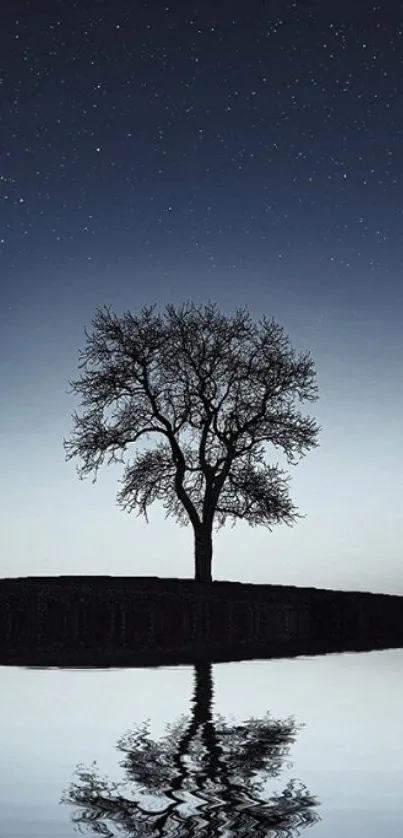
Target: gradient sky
[(247, 152)]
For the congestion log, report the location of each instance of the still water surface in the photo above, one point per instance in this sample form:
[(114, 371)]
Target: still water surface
[(269, 748)]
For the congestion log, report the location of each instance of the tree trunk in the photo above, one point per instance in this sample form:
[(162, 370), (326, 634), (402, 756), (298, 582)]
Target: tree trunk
[(203, 553)]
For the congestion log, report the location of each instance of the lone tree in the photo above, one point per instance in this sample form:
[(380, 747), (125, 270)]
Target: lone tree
[(214, 390)]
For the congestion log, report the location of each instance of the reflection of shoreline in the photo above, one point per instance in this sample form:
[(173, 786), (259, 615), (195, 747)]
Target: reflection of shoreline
[(103, 659), (222, 767), (122, 621)]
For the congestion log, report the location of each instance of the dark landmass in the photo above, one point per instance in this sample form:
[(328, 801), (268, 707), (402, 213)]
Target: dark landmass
[(108, 621)]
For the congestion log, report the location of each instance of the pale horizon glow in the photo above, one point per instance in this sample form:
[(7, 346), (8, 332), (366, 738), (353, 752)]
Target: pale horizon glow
[(348, 488)]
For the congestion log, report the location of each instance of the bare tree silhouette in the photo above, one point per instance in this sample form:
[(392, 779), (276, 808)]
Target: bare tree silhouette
[(203, 765), (212, 391)]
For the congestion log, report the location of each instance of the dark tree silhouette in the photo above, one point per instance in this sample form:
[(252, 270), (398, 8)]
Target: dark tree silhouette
[(216, 390), (202, 761)]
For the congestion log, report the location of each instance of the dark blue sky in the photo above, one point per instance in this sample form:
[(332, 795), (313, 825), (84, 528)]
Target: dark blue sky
[(247, 152)]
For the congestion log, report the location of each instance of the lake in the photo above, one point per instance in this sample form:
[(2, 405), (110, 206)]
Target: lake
[(262, 747)]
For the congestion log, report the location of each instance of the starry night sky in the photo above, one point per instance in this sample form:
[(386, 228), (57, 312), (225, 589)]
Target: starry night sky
[(251, 152)]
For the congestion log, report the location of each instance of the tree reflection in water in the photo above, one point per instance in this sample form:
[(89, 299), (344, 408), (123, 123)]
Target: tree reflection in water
[(206, 776)]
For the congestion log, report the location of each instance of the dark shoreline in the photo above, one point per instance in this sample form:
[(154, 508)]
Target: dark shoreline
[(108, 621)]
